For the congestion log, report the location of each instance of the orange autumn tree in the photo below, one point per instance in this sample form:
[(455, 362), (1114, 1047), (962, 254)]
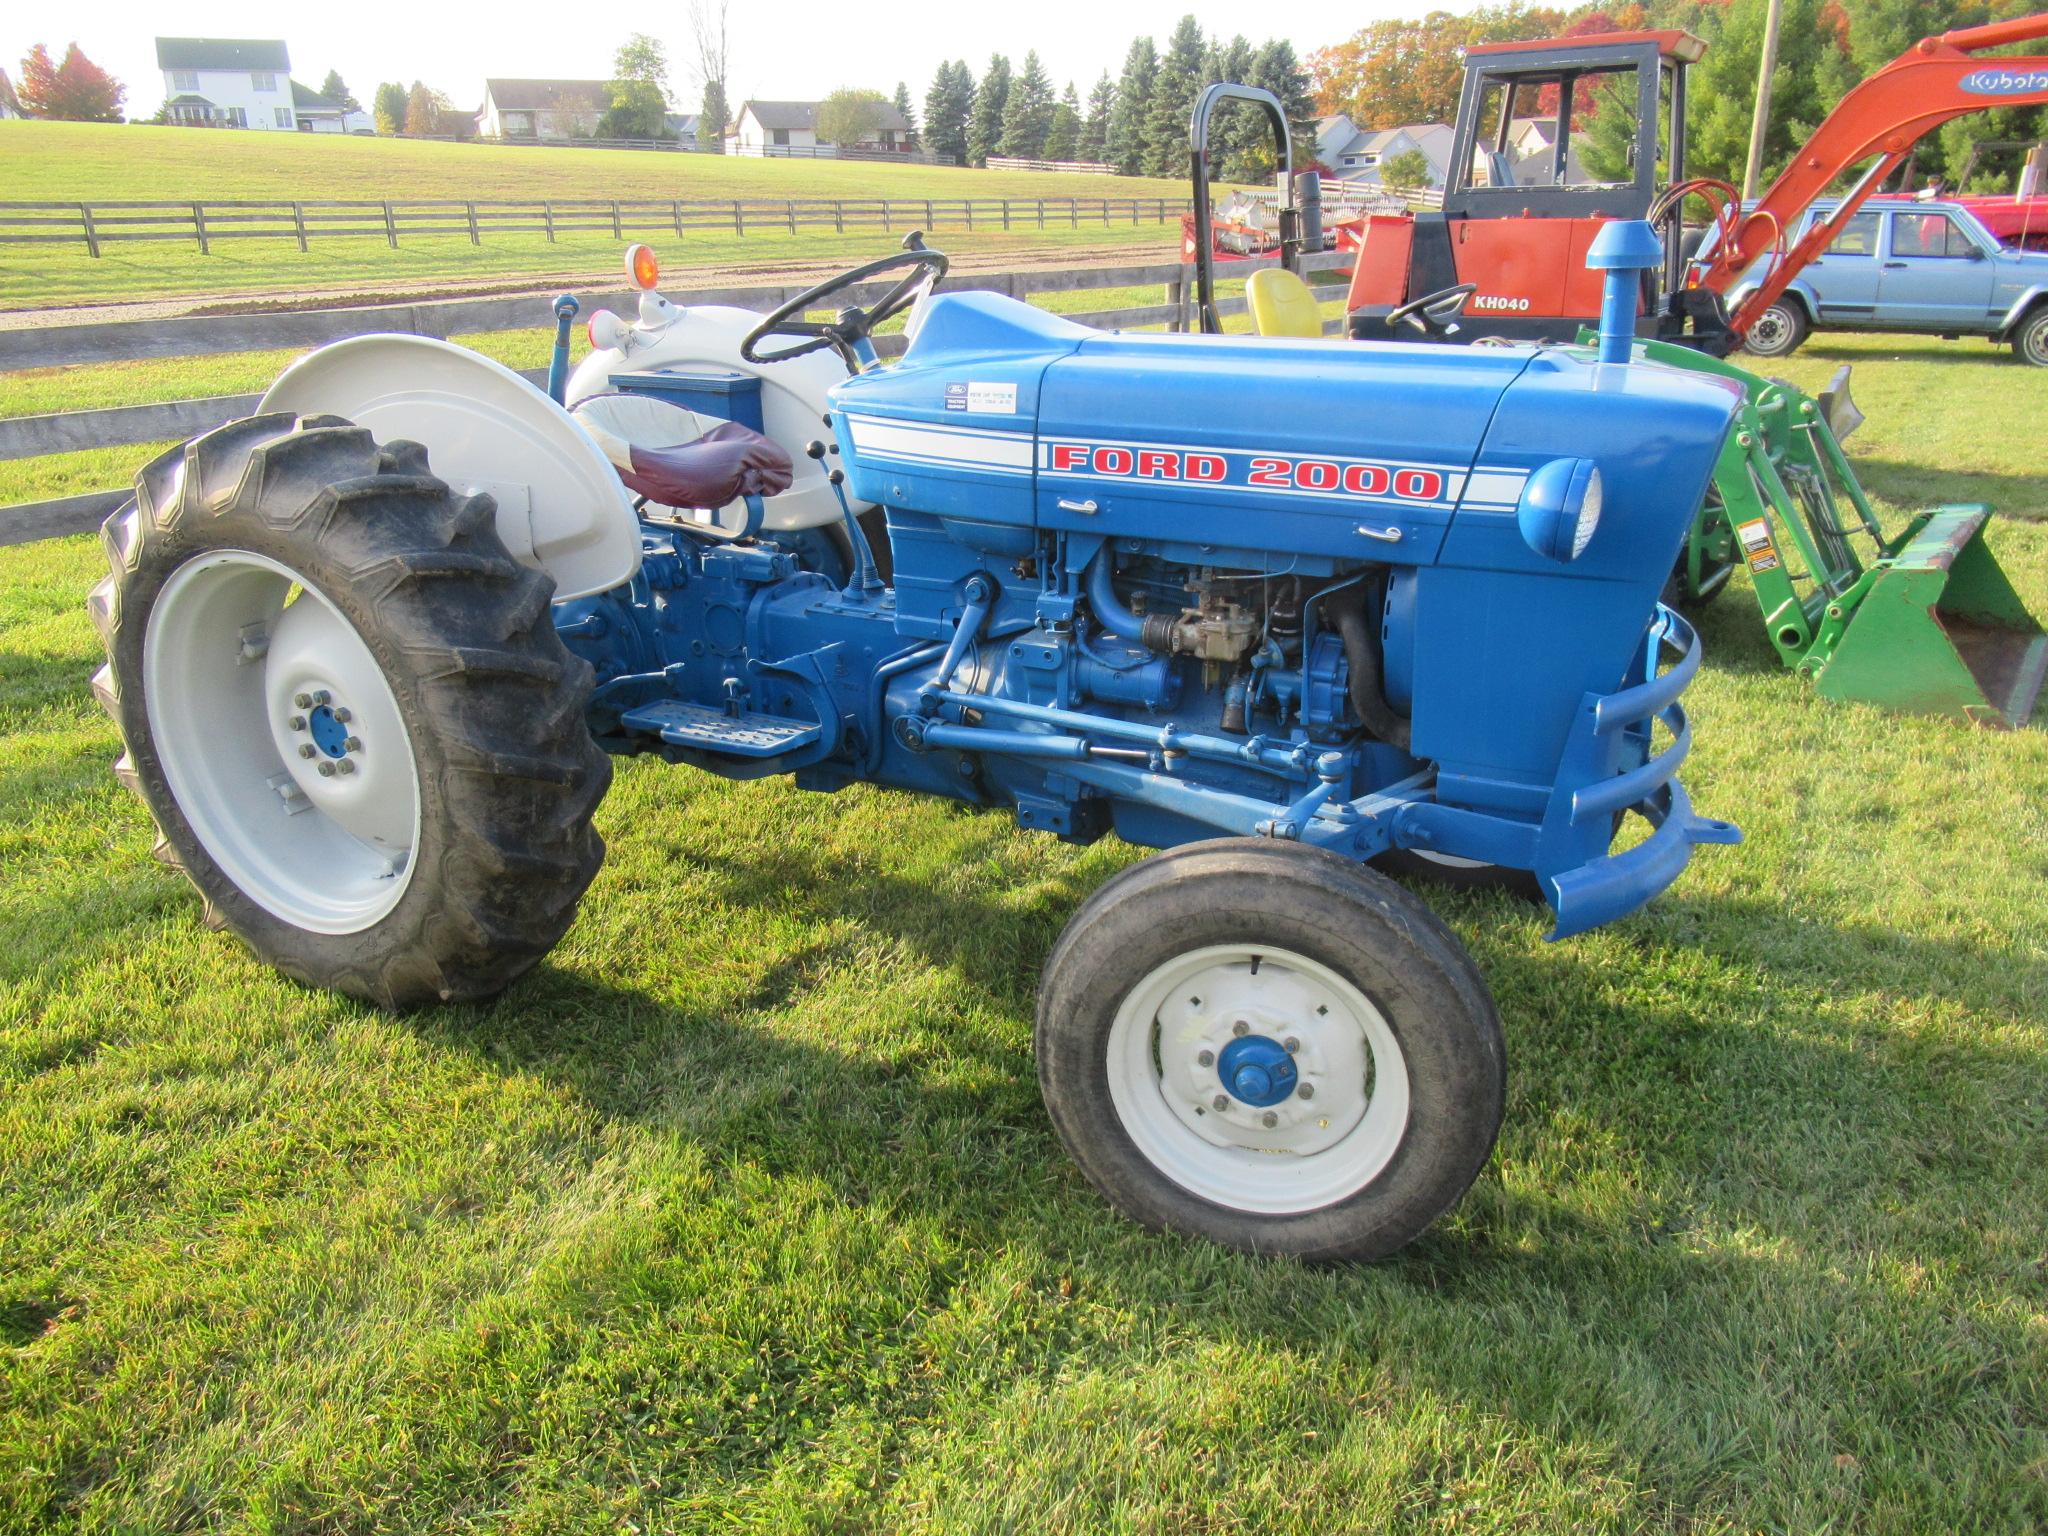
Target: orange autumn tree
[(75, 91)]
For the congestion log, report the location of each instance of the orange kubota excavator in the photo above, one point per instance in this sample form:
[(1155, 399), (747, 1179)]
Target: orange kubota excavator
[(1506, 254)]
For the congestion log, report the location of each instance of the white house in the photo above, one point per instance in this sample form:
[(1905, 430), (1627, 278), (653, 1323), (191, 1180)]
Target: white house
[(212, 82), (542, 109), (1532, 143), (316, 114), (779, 127), (1356, 154)]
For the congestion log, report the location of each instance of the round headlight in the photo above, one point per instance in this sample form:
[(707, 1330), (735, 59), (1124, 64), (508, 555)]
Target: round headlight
[(1560, 508)]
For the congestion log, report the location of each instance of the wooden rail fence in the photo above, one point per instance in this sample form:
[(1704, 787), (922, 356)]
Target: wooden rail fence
[(205, 224), (29, 437)]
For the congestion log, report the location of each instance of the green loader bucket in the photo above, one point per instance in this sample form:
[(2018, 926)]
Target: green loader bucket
[(1940, 631), (1922, 621)]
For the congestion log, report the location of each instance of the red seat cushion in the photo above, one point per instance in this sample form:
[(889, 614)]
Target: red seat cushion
[(660, 453)]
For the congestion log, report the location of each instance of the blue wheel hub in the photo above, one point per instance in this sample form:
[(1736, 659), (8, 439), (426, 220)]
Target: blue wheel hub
[(329, 734), (1257, 1070)]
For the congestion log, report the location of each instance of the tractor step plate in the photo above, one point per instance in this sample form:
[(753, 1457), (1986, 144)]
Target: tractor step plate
[(713, 730)]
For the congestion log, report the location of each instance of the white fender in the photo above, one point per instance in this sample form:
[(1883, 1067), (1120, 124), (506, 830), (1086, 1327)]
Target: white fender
[(561, 506), (793, 394)]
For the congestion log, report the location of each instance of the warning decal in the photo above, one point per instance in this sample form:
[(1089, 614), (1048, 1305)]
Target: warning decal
[(1757, 545)]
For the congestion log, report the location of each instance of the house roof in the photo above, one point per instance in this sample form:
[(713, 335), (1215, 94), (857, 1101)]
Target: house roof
[(222, 53), (312, 101), (1380, 141), (188, 100), (549, 95), (803, 115)]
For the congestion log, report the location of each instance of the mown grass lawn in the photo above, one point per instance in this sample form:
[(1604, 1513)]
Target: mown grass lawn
[(741, 1212), (85, 162)]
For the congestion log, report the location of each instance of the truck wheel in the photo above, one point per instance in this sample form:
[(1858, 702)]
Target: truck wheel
[(347, 709), (2030, 341), (1778, 331), (1271, 1047)]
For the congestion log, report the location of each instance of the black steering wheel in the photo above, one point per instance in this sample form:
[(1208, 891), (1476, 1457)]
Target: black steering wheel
[(1434, 314), (851, 323)]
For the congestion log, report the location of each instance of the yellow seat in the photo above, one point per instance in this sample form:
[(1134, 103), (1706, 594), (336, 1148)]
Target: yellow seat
[(1282, 304)]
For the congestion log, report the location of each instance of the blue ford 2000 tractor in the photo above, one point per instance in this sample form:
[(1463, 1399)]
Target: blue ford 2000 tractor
[(1284, 609)]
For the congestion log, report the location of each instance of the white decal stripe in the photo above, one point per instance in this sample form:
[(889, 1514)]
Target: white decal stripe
[(968, 447), (926, 461), (941, 428)]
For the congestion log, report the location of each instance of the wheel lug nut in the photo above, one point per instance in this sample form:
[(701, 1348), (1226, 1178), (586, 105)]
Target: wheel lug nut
[(1307, 1090), (1221, 1101), (353, 744), (297, 722), (344, 766), (1240, 1028), (307, 749), (343, 716), (326, 770), (1206, 1059), (1290, 1045), (1269, 1119), (322, 696), (303, 700)]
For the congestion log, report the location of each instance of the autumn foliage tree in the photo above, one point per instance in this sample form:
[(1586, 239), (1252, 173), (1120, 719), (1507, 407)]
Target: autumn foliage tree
[(75, 91)]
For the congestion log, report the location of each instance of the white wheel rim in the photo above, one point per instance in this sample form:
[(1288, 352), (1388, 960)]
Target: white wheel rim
[(235, 641), (1449, 860), (1768, 334), (1318, 1150)]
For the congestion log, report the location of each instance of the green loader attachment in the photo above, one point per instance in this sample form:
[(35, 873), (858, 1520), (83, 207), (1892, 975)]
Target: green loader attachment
[(1922, 620)]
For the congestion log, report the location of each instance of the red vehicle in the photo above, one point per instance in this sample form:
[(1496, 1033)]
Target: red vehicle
[(1506, 256)]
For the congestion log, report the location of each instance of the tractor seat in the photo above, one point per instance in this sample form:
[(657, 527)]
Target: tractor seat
[(1282, 304), (665, 453)]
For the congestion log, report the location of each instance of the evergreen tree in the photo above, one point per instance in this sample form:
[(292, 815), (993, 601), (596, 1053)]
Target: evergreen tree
[(1094, 137), (337, 91), (901, 101), (1275, 68), (1027, 112), (1065, 132), (1240, 138), (714, 115), (947, 106), (985, 123), (1124, 145), (390, 100), (1173, 99)]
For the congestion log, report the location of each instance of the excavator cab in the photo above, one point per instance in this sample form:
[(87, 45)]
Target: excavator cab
[(1554, 138)]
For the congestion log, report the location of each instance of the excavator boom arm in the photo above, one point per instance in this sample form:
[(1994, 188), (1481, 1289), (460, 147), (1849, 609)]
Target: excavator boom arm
[(1937, 79)]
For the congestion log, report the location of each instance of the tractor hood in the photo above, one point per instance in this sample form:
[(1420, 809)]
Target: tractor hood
[(1238, 449)]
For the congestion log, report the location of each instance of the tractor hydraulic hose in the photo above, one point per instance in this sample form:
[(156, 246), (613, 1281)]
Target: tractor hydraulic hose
[(1110, 611), (1363, 656)]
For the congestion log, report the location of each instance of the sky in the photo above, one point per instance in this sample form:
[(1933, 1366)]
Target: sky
[(453, 48)]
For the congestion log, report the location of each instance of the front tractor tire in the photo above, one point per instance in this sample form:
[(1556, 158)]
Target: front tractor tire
[(1271, 1047), (347, 709), (1779, 331)]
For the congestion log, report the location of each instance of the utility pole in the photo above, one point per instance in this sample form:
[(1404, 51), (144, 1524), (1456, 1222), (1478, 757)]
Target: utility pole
[(1761, 122)]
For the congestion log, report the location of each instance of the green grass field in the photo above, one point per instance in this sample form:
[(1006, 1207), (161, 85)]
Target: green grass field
[(88, 162), (742, 1213)]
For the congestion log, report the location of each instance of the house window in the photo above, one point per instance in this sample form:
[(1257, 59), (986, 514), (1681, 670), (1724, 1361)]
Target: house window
[(778, 136), (235, 116), (283, 115), (263, 82), (1351, 159), (184, 79)]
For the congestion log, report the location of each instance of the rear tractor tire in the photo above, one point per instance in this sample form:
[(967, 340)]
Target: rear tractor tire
[(1778, 331), (346, 707), (1271, 1047)]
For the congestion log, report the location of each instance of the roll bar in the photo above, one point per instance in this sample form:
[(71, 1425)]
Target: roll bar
[(1291, 210)]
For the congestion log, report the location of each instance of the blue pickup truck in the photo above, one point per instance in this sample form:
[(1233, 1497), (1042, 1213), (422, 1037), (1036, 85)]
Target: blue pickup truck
[(1900, 264)]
